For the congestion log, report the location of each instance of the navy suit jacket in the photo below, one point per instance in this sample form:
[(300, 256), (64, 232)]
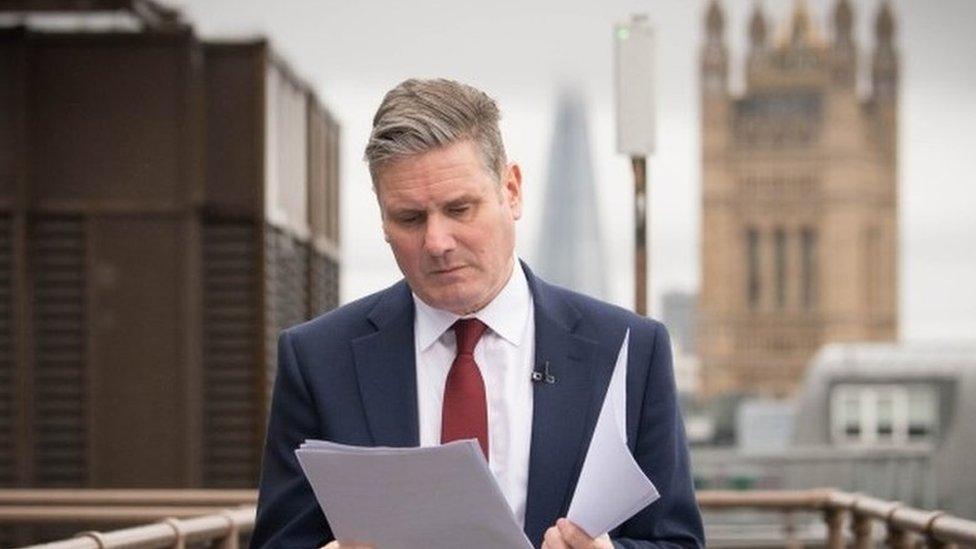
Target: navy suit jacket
[(349, 376)]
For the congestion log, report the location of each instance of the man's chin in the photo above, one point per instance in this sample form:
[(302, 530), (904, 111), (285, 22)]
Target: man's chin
[(457, 307), (456, 304)]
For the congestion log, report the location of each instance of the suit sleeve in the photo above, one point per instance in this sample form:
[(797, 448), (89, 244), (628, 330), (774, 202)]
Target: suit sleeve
[(288, 514), (662, 452)]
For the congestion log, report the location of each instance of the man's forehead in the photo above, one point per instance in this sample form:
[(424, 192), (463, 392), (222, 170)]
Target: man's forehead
[(409, 176), (444, 179), (423, 198)]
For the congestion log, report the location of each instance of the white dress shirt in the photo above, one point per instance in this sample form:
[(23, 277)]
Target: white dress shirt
[(505, 356)]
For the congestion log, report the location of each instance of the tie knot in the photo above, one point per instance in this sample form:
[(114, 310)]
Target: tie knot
[(468, 331)]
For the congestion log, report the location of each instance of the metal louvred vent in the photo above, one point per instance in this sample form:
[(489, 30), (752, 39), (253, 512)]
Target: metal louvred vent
[(60, 383), (231, 445), (286, 287), (7, 378), (323, 284), (331, 284)]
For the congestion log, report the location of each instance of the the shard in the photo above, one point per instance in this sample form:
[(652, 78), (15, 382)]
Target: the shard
[(570, 249)]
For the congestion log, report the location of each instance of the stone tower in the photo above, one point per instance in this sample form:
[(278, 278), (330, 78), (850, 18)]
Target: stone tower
[(799, 192)]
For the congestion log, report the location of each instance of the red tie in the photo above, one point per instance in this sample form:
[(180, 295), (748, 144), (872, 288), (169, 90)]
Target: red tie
[(465, 413)]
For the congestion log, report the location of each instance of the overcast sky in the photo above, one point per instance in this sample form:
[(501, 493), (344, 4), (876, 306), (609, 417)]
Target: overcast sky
[(522, 52)]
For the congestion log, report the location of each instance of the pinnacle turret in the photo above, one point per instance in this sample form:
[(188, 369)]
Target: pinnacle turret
[(884, 25), (715, 56), (800, 27), (843, 23), (757, 28), (715, 22), (844, 48), (885, 64)]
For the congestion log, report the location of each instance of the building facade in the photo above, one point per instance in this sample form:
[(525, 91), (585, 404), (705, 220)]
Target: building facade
[(899, 397), (799, 197), (166, 207)]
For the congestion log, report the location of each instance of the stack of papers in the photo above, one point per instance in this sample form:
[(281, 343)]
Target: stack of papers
[(438, 497)]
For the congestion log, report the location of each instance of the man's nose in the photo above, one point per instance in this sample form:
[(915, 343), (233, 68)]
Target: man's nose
[(438, 239)]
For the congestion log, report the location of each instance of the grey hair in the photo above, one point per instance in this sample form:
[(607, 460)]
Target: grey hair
[(419, 116)]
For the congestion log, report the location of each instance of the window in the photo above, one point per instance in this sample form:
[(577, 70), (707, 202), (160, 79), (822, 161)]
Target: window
[(922, 414), (872, 270), (885, 416), (808, 243), (849, 412), (863, 414), (780, 243), (752, 259)]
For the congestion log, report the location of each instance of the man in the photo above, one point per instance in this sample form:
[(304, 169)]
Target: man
[(450, 352)]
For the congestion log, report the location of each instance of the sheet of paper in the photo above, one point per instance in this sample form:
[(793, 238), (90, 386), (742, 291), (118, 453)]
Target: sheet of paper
[(612, 487), (437, 497), (617, 391)]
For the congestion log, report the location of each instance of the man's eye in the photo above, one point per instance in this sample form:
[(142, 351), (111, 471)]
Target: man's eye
[(458, 210), (409, 219)]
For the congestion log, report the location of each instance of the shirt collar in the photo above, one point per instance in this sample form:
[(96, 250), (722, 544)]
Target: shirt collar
[(506, 315)]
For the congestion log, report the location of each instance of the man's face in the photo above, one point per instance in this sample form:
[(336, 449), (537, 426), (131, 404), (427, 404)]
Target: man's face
[(451, 225)]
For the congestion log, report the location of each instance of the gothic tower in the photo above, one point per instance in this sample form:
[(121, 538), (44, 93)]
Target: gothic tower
[(799, 196)]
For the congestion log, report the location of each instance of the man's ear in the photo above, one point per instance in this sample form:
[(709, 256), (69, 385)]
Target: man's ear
[(513, 189)]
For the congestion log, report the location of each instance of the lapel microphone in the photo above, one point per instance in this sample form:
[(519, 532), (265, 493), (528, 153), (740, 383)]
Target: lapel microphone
[(544, 375)]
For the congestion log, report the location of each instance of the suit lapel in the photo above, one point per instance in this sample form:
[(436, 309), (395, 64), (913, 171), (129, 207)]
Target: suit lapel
[(386, 368), (564, 412)]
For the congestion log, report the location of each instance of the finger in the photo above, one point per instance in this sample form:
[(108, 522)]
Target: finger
[(554, 540), (573, 535)]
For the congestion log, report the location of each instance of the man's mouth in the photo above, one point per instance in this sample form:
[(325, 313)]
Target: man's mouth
[(448, 270)]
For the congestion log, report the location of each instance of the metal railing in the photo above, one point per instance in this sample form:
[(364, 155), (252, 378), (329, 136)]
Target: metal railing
[(850, 520), (114, 506), (222, 530), (218, 518)]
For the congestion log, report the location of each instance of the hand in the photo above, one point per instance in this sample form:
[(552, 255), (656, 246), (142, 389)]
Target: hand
[(347, 545), (566, 535)]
